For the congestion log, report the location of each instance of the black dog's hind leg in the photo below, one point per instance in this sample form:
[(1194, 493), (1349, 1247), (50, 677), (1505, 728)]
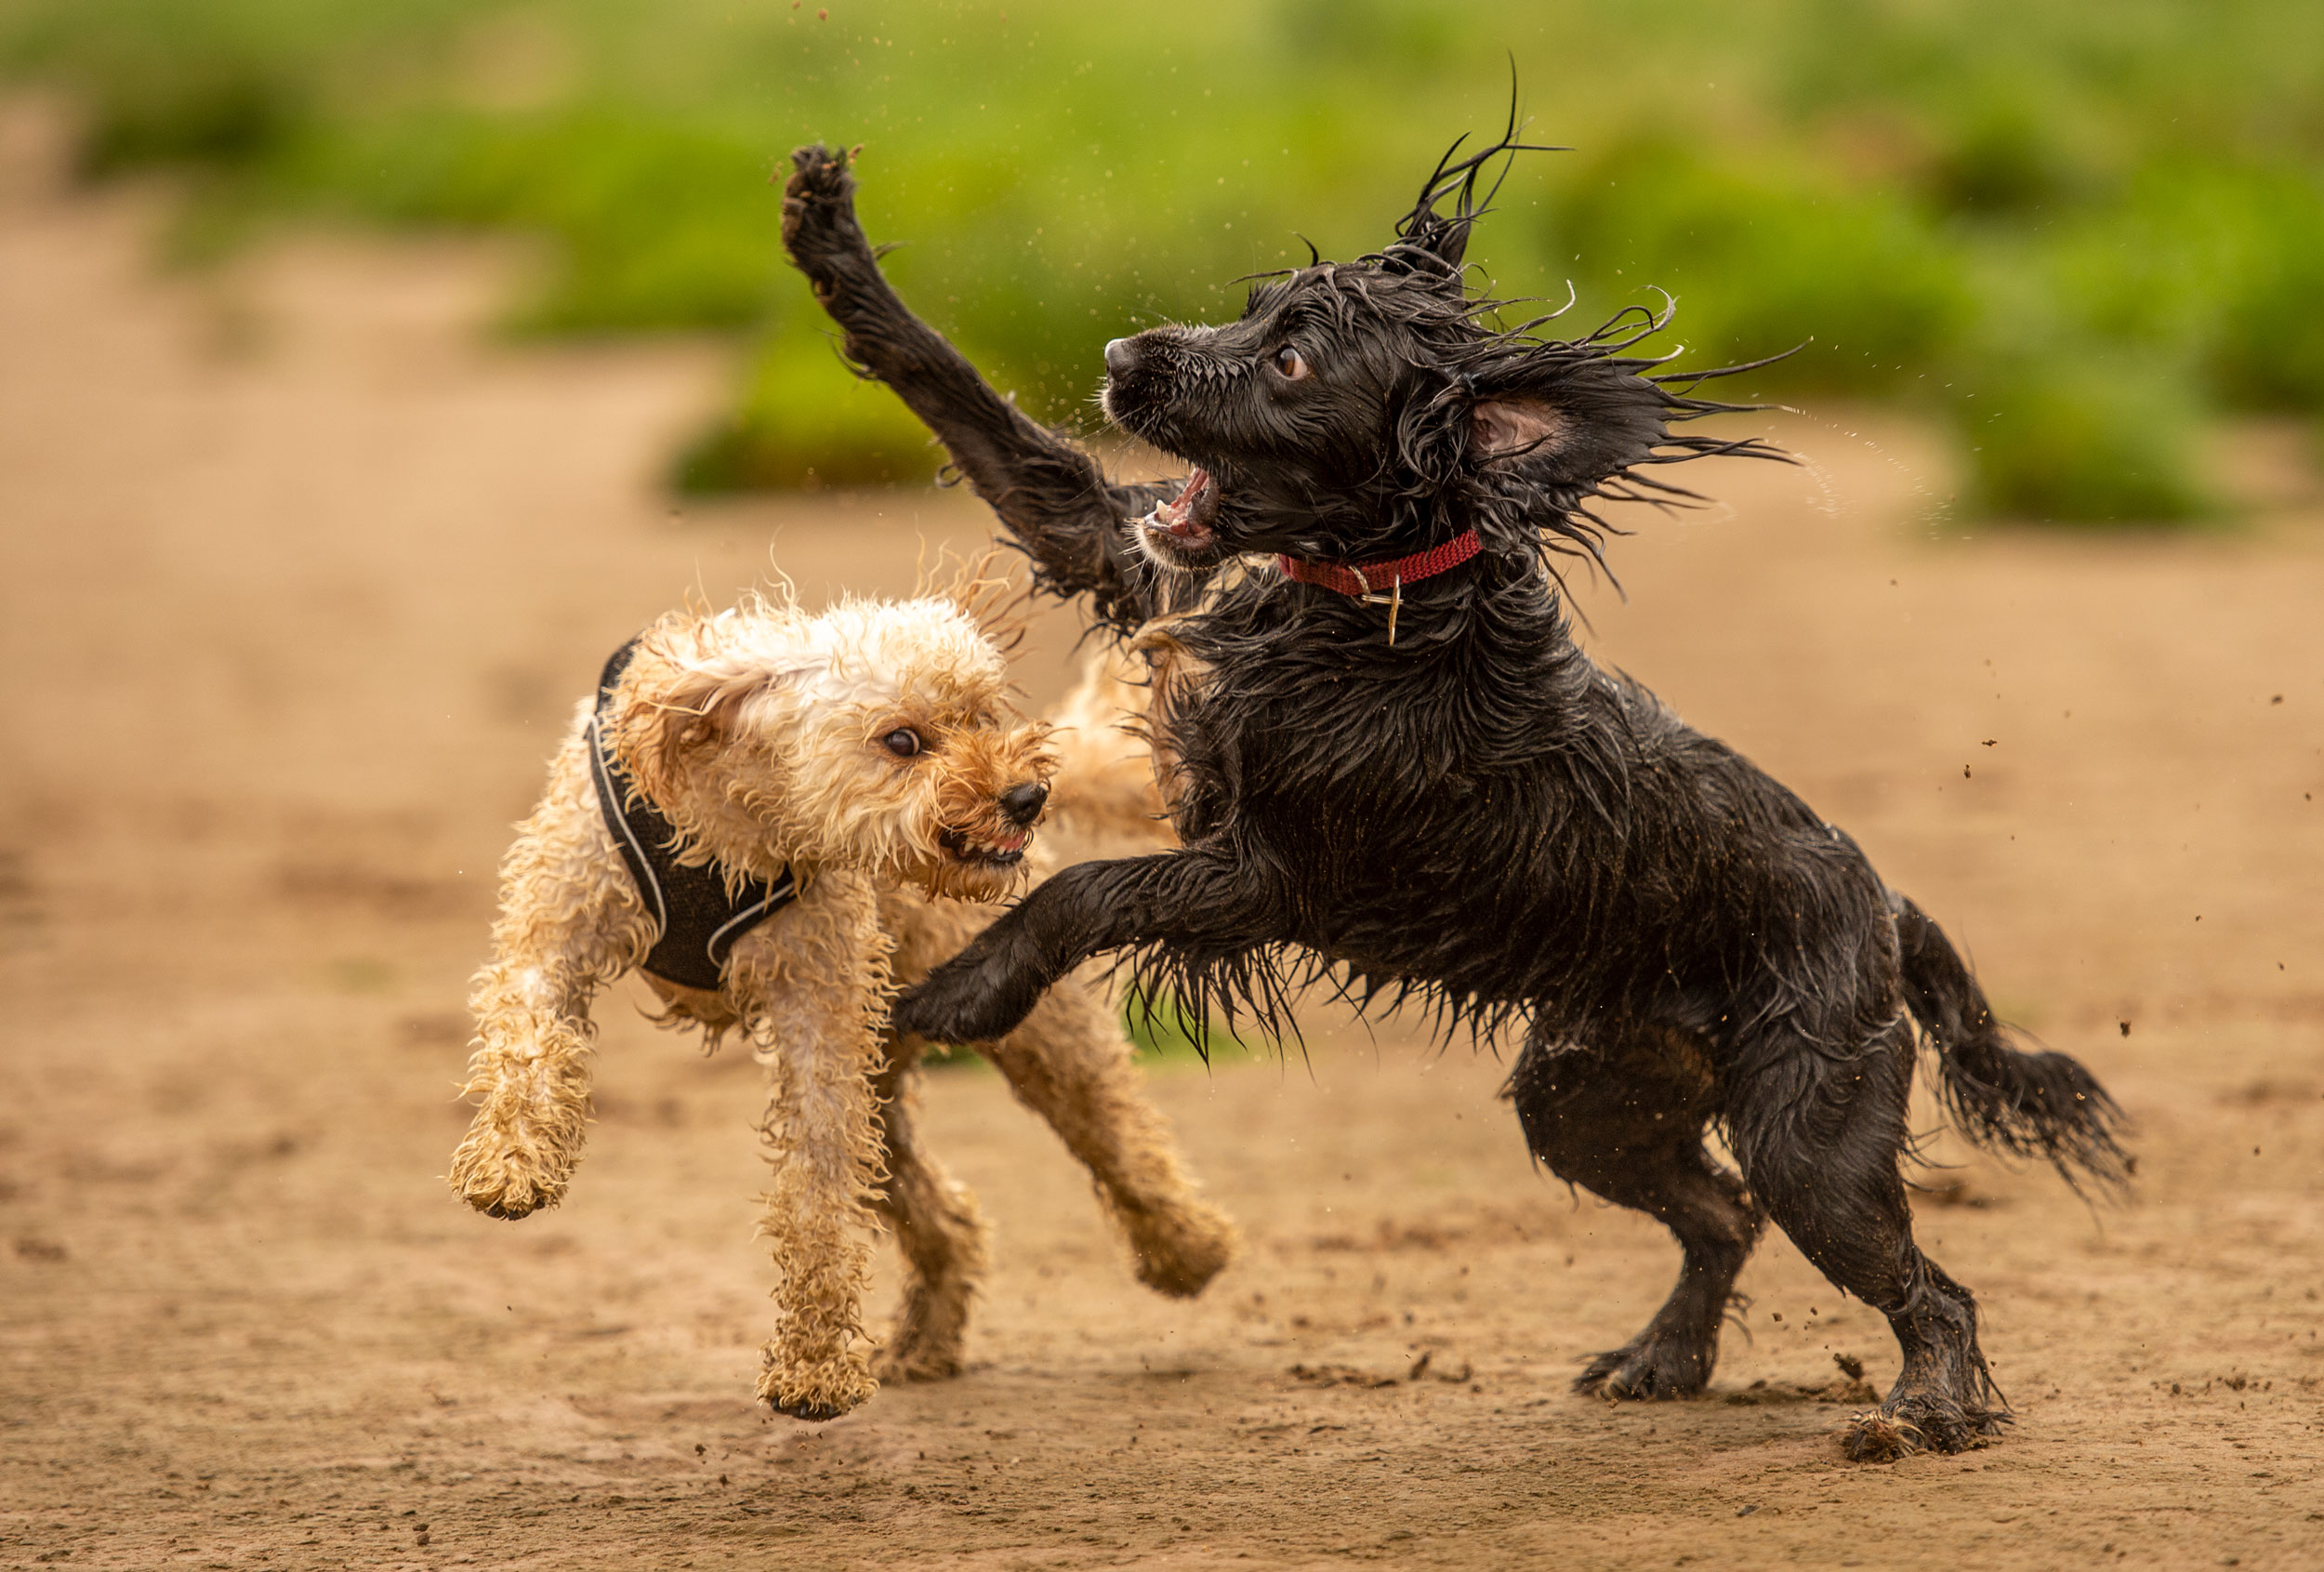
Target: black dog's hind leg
[(1052, 495), (1201, 905), (1819, 1135), (1626, 1122)]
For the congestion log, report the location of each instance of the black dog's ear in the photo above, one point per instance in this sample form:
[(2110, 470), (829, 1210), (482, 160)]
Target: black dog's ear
[(1503, 430), (1560, 415)]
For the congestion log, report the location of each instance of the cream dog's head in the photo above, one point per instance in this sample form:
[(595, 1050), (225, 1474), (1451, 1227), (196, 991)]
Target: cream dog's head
[(876, 735)]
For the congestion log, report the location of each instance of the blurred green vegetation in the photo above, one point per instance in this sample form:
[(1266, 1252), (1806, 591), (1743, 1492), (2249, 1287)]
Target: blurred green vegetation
[(1163, 1033), (2073, 229), (1168, 1031)]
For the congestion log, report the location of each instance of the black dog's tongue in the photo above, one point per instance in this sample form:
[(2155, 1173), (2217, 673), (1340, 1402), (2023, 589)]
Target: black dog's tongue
[(1176, 517)]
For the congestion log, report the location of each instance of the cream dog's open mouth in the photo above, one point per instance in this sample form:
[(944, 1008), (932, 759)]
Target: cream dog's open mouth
[(1006, 851)]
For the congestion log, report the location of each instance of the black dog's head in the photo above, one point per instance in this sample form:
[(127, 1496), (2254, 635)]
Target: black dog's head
[(1368, 409)]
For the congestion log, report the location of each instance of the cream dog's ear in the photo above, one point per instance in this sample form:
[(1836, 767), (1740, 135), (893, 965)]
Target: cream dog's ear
[(683, 700)]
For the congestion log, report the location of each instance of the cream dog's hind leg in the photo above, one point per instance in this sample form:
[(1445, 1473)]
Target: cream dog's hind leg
[(1069, 1061), (812, 987), (943, 1237), (570, 922), (1070, 1064)]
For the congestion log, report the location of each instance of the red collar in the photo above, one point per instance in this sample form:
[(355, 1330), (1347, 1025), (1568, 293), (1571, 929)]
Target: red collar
[(1384, 577)]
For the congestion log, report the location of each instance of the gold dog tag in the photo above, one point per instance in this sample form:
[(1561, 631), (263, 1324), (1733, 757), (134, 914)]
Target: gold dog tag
[(1394, 600)]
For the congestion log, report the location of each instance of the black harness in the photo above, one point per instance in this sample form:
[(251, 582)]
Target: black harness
[(699, 922)]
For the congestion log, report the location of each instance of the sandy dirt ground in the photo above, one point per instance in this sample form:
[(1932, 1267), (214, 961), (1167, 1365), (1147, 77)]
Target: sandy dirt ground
[(299, 571)]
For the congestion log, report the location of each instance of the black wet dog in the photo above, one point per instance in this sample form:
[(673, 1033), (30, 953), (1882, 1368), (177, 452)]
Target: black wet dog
[(1388, 762)]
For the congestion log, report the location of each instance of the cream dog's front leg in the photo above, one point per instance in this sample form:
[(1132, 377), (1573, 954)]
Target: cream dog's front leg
[(812, 987), (570, 922)]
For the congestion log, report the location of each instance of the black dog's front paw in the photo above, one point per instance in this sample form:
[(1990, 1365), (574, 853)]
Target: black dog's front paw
[(963, 1002), (819, 208), (1653, 1368)]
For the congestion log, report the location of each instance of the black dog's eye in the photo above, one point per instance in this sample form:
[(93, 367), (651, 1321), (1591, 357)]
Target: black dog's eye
[(1291, 364), (904, 742)]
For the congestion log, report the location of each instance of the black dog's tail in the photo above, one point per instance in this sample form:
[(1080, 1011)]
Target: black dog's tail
[(2028, 1104)]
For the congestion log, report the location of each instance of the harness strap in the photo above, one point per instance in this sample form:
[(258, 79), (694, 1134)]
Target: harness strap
[(697, 924)]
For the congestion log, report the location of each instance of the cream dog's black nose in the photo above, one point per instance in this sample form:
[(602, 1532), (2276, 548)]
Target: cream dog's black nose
[(1022, 802)]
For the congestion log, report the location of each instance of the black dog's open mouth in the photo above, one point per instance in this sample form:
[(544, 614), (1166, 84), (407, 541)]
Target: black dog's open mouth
[(1007, 852), (1183, 523)]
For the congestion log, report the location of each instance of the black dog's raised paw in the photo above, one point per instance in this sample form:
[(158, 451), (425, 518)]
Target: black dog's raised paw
[(819, 205), (963, 1003), (820, 172)]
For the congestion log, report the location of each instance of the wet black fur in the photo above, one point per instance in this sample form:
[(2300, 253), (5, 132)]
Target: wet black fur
[(1478, 818)]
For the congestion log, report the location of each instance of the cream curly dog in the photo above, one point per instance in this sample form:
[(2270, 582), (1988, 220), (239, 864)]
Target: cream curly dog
[(777, 816)]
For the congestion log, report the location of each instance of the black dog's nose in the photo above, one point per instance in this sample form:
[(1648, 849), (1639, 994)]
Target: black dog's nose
[(1121, 357), (1022, 802)]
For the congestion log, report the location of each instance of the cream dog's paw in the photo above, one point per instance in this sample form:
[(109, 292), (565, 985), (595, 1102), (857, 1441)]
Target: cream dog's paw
[(817, 1392), (1178, 1251), (502, 1177)]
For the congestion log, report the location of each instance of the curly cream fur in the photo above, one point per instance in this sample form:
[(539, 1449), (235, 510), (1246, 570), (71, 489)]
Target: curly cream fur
[(1106, 803), (759, 732), (818, 980)]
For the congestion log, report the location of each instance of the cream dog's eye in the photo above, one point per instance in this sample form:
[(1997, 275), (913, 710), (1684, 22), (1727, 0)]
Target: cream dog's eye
[(904, 742)]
